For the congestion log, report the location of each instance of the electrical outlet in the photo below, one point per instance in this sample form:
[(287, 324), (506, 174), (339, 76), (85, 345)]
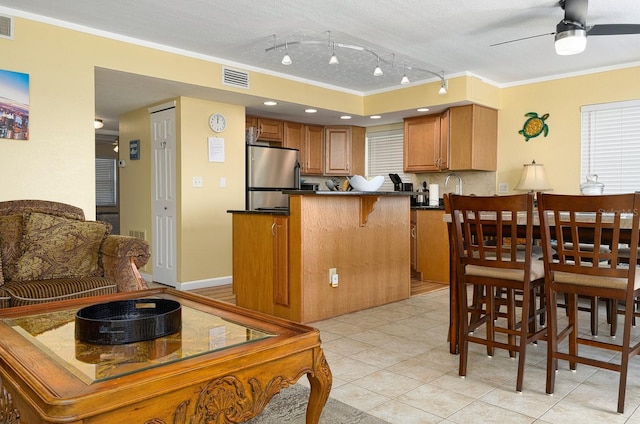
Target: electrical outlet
[(333, 277), (503, 188), (197, 181)]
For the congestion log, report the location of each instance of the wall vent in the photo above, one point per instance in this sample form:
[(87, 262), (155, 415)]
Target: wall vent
[(235, 78), (138, 233), (6, 27)]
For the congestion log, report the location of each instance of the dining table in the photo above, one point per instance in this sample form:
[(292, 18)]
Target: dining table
[(585, 236)]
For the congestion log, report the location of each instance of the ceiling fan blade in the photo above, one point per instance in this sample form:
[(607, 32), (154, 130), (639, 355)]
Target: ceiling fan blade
[(523, 38), (614, 29), (575, 10)]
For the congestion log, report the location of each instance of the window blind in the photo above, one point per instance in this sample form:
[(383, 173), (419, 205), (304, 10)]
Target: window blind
[(611, 145), (106, 193), (385, 156)]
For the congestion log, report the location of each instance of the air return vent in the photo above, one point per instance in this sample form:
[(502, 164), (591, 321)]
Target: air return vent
[(141, 234), (235, 78), (6, 27)]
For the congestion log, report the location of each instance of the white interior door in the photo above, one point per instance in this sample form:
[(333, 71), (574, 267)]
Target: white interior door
[(163, 145)]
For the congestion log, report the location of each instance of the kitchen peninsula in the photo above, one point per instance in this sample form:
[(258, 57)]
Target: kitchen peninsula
[(282, 261)]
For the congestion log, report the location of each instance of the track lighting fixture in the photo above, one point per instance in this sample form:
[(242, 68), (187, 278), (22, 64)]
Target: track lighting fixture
[(286, 60), (443, 86), (378, 71), (334, 58), (333, 45), (404, 80)]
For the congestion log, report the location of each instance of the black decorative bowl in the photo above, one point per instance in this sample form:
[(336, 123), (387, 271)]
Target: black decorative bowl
[(128, 321)]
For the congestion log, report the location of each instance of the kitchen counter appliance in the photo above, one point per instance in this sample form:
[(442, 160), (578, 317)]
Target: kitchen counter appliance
[(270, 170)]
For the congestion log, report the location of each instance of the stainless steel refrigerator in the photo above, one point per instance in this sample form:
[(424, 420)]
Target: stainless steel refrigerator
[(270, 170)]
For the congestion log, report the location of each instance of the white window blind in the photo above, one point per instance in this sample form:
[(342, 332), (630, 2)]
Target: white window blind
[(106, 187), (385, 156), (611, 145)]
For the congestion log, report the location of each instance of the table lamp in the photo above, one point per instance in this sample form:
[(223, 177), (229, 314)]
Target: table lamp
[(533, 178)]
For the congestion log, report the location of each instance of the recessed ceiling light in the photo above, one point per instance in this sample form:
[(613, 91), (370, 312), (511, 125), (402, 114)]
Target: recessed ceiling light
[(423, 109), (270, 103), (375, 117), (345, 117), (310, 110)]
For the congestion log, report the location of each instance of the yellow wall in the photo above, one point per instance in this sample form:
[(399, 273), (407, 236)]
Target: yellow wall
[(57, 163), (561, 99)]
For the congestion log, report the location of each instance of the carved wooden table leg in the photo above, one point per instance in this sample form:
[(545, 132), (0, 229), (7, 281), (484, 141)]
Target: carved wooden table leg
[(320, 380)]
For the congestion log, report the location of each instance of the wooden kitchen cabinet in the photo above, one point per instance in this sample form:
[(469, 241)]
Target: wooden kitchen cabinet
[(473, 133), (261, 261), (413, 233), (430, 245), (271, 130), (344, 150), (460, 139), (312, 151), (293, 135), (424, 149)]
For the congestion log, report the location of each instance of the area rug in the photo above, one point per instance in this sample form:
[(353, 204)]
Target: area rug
[(290, 406)]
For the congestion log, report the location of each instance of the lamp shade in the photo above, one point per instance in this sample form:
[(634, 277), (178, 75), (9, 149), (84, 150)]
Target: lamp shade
[(533, 178)]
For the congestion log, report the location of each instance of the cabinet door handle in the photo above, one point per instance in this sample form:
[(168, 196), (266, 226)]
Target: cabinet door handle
[(413, 232), (273, 229)]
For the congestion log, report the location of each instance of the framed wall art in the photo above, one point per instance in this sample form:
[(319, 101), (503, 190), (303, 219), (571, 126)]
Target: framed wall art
[(134, 150), (14, 105)]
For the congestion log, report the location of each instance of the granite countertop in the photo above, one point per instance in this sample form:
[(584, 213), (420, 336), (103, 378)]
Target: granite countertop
[(284, 212), (434, 208), (281, 211), (348, 193)]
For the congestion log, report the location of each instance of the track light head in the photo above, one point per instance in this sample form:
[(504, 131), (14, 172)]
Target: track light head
[(443, 87), (286, 60), (334, 60)]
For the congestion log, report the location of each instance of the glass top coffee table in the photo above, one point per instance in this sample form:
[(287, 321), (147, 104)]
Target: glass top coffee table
[(223, 365)]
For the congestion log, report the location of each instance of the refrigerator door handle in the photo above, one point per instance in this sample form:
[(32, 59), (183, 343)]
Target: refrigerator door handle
[(296, 176)]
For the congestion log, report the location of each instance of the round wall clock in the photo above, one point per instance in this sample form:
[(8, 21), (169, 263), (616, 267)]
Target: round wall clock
[(217, 122)]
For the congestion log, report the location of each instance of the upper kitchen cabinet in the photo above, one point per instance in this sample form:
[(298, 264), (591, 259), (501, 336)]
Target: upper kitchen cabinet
[(344, 150), (425, 150), (462, 138), (473, 133), (293, 136), (271, 130), (312, 150)]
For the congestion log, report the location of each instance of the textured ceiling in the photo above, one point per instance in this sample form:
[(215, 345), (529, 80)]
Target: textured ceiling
[(453, 37)]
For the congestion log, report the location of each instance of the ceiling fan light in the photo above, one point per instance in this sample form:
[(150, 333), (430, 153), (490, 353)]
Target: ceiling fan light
[(97, 124), (571, 41)]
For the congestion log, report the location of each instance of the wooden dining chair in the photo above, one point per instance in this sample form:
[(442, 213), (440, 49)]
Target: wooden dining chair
[(488, 258), (594, 221)]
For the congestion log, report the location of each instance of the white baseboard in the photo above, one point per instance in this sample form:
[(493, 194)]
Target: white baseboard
[(198, 284)]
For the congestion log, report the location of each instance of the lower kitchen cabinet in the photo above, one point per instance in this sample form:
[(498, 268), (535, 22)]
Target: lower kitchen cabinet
[(429, 246), (261, 260)]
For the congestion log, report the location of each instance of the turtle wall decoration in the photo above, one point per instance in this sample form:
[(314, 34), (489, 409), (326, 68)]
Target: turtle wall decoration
[(534, 126)]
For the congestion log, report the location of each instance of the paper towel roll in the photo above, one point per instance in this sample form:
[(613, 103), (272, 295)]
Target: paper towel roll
[(434, 195)]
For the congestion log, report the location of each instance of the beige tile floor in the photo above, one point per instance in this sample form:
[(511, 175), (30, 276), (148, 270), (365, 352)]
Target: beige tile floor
[(393, 362)]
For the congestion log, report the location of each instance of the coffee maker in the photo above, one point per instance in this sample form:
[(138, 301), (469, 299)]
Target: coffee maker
[(398, 185)]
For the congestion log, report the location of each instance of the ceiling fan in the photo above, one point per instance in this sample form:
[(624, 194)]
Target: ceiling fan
[(571, 32)]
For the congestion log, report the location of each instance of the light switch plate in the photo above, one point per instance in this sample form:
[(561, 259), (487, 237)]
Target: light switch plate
[(503, 188)]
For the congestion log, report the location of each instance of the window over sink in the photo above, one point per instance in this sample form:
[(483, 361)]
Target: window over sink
[(384, 153)]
